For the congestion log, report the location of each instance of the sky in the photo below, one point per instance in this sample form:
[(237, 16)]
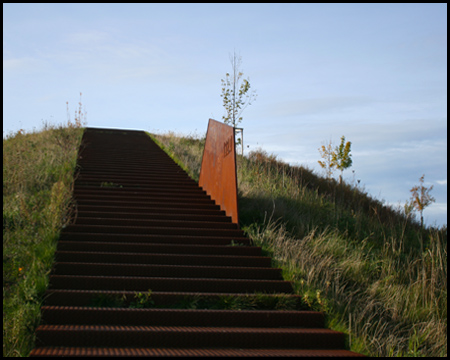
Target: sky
[(375, 73)]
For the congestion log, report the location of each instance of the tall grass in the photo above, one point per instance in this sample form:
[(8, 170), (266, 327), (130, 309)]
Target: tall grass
[(38, 170), (187, 151), (378, 275)]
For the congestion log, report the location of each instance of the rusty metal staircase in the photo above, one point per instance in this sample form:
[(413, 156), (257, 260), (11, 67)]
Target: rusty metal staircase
[(142, 224)]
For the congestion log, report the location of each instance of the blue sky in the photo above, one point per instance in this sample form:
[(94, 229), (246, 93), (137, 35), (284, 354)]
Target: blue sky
[(376, 73)]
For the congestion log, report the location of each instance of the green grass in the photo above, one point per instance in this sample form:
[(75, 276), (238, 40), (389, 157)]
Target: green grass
[(377, 274), (38, 171), (185, 151)]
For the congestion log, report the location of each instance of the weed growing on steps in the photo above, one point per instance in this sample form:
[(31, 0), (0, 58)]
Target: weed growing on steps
[(372, 268), (38, 170)]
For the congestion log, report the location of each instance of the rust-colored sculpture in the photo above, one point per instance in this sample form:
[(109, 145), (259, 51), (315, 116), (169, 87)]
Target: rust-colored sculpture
[(218, 172)]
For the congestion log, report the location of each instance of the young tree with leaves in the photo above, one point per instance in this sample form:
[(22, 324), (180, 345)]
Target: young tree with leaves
[(342, 157), (421, 197), (328, 163), (338, 158), (235, 94)]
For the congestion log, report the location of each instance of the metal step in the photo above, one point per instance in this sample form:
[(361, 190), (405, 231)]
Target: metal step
[(149, 230), (131, 283), (171, 299), (187, 337), (158, 248), (152, 239), (180, 352), (172, 271), (150, 222), (71, 315), (163, 259)]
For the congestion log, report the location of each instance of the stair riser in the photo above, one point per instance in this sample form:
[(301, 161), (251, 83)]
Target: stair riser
[(168, 284), (186, 206), (156, 215), (153, 239), (159, 299), (124, 191), (147, 211), (105, 229), (190, 339), (158, 248), (163, 259), (166, 271), (138, 185), (139, 168), (143, 199), (129, 180), (163, 317), (184, 353), (81, 220)]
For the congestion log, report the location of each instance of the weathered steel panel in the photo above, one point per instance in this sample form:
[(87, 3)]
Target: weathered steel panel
[(218, 171)]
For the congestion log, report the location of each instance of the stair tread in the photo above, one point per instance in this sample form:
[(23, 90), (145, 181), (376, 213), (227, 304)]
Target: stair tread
[(171, 279), (190, 271), (146, 229), (209, 256), (197, 329), (187, 336), (152, 216), (192, 249), (156, 238), (182, 352), (161, 293), (190, 311), (224, 268), (74, 315), (126, 222), (168, 284), (149, 210)]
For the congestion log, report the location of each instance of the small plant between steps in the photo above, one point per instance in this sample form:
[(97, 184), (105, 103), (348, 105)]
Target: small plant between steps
[(110, 184), (257, 301)]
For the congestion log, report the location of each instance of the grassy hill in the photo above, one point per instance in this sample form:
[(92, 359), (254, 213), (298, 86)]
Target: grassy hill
[(38, 173), (376, 273)]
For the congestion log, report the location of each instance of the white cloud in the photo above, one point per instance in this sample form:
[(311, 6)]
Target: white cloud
[(442, 182), (438, 211), (83, 38), (22, 65)]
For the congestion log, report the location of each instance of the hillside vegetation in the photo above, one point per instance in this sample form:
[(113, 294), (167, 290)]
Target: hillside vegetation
[(378, 275), (38, 171), (374, 271)]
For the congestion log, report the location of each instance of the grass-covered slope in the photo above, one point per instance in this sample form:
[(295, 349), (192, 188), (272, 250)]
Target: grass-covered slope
[(38, 171), (377, 274)]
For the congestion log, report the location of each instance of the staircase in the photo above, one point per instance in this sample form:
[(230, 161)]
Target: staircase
[(153, 267)]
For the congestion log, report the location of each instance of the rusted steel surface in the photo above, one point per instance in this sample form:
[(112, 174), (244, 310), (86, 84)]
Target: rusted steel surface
[(218, 172), (143, 226), (177, 352)]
